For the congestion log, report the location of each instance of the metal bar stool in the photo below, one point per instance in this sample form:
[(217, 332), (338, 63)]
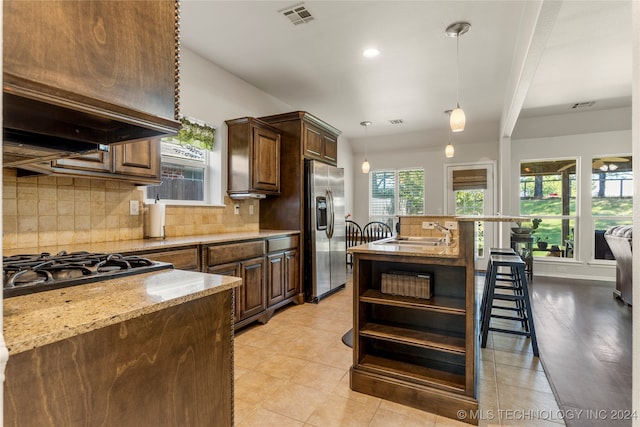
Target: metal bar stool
[(507, 276), (516, 281)]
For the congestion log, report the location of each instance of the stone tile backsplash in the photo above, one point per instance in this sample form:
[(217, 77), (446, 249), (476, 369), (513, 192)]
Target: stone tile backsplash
[(46, 210)]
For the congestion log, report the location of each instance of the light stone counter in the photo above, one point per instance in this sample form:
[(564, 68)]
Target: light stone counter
[(380, 247), (42, 318), (494, 218), (149, 244)]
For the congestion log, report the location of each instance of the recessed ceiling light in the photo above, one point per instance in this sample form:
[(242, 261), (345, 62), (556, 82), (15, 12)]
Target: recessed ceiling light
[(372, 52)]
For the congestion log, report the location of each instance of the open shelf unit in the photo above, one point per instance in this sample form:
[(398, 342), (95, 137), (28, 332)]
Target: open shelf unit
[(415, 351)]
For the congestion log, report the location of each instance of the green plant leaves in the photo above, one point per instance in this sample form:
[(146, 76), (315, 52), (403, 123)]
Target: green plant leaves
[(195, 134)]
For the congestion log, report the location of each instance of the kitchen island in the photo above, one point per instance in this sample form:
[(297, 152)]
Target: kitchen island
[(419, 351), (152, 349)]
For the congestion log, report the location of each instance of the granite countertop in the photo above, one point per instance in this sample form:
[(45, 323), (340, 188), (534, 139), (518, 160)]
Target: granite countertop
[(42, 318), (386, 247), (152, 244)]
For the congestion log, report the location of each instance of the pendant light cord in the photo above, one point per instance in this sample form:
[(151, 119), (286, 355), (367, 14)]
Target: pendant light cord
[(458, 70)]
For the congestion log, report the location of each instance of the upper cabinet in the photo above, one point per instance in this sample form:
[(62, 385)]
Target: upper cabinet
[(320, 144), (317, 139), (254, 158), (79, 73), (137, 162)]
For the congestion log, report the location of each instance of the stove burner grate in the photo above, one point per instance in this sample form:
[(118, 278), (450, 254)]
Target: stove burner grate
[(28, 273)]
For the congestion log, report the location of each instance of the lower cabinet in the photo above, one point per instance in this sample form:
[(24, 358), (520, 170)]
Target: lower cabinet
[(182, 258), (172, 367), (269, 268), (252, 294), (283, 271), (270, 272)]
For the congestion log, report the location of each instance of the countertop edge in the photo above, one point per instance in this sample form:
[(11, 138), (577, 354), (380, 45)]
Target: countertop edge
[(51, 304), (139, 245)]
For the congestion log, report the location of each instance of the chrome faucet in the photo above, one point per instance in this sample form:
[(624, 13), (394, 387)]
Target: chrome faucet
[(445, 231)]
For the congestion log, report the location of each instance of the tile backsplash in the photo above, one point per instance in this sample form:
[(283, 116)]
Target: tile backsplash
[(46, 210), (412, 226)]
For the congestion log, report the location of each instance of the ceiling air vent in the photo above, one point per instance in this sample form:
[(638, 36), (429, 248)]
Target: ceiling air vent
[(396, 121), (297, 14), (582, 105)]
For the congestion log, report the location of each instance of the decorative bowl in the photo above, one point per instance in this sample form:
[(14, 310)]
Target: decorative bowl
[(521, 230)]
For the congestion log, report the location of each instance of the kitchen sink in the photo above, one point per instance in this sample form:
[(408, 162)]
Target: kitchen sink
[(414, 241)]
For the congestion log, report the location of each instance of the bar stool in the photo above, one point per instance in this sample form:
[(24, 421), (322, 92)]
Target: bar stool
[(507, 276), (514, 279)]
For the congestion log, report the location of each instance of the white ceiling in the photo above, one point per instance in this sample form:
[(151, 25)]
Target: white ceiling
[(541, 56)]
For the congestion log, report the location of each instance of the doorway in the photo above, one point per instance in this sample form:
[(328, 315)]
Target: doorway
[(470, 191)]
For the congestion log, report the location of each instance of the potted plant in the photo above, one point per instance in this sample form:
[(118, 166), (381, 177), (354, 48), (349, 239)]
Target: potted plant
[(542, 242)]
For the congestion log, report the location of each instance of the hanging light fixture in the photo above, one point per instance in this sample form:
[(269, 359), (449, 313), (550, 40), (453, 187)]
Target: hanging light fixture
[(449, 151), (365, 164), (457, 117)]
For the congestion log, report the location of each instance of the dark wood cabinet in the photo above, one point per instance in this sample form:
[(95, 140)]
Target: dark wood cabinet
[(138, 162), (87, 163), (275, 278), (252, 295), (254, 157), (182, 258), (137, 159), (283, 270), (245, 259), (304, 136), (231, 269), (320, 144), (420, 352), (100, 62), (270, 272), (163, 368)]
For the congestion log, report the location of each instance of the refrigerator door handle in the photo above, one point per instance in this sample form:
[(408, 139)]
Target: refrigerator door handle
[(331, 217)]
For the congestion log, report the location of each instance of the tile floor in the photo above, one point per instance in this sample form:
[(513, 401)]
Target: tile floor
[(294, 371)]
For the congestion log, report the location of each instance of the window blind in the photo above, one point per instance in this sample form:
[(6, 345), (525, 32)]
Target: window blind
[(470, 179)]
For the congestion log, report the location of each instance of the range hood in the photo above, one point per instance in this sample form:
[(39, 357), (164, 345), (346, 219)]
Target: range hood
[(243, 196), (42, 123)]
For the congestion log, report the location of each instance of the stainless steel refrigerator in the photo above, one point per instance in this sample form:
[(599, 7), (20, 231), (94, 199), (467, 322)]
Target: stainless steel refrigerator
[(325, 269)]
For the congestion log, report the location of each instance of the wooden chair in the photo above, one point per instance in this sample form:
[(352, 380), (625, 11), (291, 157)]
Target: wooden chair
[(375, 230), (353, 238)]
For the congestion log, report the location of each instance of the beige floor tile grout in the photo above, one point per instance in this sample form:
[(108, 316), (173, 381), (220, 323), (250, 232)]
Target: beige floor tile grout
[(309, 335)]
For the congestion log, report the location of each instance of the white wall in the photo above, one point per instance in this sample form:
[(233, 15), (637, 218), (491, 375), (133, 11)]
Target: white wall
[(345, 160), (213, 95), (433, 161), (583, 146)]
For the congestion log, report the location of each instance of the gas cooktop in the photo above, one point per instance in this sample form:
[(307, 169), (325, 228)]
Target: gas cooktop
[(31, 273)]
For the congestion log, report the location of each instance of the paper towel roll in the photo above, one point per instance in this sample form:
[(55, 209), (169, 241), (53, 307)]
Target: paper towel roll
[(156, 220)]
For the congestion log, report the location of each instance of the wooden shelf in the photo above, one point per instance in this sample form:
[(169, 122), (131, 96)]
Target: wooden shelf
[(433, 339), (410, 371), (420, 352), (441, 304)]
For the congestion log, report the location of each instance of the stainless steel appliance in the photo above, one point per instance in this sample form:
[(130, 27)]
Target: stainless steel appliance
[(29, 273), (325, 268)]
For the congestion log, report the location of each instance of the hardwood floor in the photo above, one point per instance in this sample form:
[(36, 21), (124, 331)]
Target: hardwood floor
[(584, 335)]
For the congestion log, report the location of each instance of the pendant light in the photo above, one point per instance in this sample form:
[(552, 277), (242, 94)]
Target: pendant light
[(365, 164), (457, 117), (449, 151)]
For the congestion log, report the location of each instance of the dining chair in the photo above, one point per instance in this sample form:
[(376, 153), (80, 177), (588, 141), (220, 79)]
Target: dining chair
[(353, 237), (375, 230)]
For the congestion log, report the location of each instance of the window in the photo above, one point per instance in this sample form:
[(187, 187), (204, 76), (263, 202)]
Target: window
[(395, 192), (611, 198), (548, 192), (185, 165), (469, 187)]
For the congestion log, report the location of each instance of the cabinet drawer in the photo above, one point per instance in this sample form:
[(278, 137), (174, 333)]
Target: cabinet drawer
[(221, 254), (282, 243), (182, 259)]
